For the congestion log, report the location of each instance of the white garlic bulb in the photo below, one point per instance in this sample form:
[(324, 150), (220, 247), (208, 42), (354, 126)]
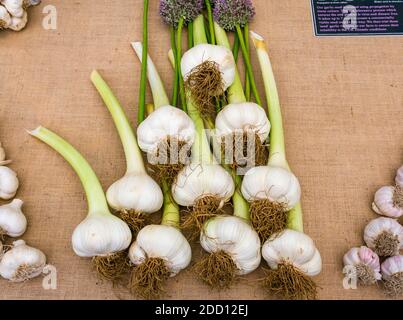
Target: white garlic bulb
[(5, 18), (164, 242), (235, 237), (273, 183), (19, 23), (295, 248), (392, 273), (8, 183), (196, 181), (385, 202), (399, 177), (22, 262), (164, 123), (101, 235), (245, 117), (14, 7), (384, 236), (207, 52), (366, 264), (137, 192), (12, 221)]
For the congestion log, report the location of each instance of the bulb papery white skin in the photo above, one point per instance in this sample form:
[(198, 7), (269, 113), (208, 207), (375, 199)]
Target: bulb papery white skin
[(207, 52), (19, 23), (363, 256), (137, 192), (276, 184), (379, 228), (247, 117), (384, 203), (235, 237), (399, 177), (164, 123), (294, 248), (197, 181), (14, 7), (8, 183), (101, 235), (392, 266), (5, 19), (164, 242), (22, 262), (12, 221)]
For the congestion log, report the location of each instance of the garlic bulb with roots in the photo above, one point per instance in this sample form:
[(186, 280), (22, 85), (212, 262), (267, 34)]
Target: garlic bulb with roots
[(136, 195), (384, 236), (101, 236), (8, 183), (399, 178), (159, 252), (5, 18), (392, 274), (365, 263), (293, 258), (388, 202), (22, 262), (13, 222), (168, 133)]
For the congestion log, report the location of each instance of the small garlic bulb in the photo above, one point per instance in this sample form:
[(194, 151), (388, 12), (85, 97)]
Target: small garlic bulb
[(235, 237), (384, 236), (273, 183), (12, 221), (366, 264), (8, 183), (19, 23), (207, 52), (101, 235), (14, 7), (399, 177), (163, 242), (5, 18), (196, 181), (22, 262), (242, 117), (164, 123), (136, 191), (295, 248), (392, 273), (388, 202)]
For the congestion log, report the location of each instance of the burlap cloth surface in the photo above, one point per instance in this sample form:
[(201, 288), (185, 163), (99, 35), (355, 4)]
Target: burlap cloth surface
[(342, 102)]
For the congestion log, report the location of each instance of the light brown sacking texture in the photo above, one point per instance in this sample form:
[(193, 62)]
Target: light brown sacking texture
[(341, 100)]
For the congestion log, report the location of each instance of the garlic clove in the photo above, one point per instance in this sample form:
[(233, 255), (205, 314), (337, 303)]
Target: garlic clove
[(273, 183), (137, 192), (12, 221), (14, 7), (392, 273), (5, 20), (163, 242), (243, 117), (366, 263), (196, 181), (207, 52), (399, 177), (19, 23), (384, 236), (22, 262), (235, 237), (8, 183), (101, 235), (386, 202), (295, 248), (165, 122)]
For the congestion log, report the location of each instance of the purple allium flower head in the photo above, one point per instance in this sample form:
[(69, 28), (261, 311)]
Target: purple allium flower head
[(230, 13), (172, 10)]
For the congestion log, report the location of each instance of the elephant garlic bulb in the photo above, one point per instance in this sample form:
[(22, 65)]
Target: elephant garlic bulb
[(136, 195), (233, 249), (8, 183), (399, 177), (389, 202), (240, 127), (5, 18), (293, 259), (365, 263), (13, 222), (22, 262), (208, 71), (392, 274), (384, 236)]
